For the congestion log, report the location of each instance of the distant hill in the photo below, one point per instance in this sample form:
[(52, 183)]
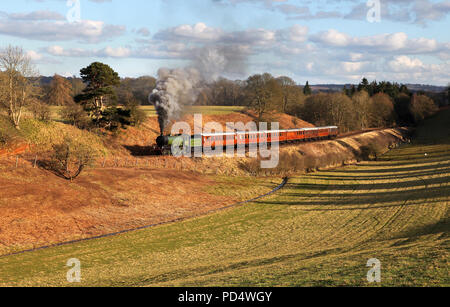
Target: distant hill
[(411, 87)]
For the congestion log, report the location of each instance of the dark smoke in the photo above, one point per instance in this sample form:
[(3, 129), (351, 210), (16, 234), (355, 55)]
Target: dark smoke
[(177, 88)]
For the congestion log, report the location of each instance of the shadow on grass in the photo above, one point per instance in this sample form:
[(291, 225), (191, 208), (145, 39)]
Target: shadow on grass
[(364, 201), (391, 170), (405, 175)]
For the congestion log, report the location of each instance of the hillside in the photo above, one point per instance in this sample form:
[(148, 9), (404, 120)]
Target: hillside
[(319, 231)]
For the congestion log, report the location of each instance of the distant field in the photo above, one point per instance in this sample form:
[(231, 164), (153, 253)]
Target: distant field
[(319, 231), (205, 110), (150, 110)]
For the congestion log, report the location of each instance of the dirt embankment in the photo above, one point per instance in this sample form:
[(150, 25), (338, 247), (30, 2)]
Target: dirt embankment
[(307, 157), (300, 157)]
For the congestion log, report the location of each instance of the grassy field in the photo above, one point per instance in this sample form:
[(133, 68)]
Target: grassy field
[(205, 110), (319, 231)]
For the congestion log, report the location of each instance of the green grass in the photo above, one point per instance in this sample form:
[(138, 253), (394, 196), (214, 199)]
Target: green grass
[(205, 110), (319, 231)]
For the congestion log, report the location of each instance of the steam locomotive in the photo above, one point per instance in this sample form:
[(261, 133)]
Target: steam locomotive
[(233, 139)]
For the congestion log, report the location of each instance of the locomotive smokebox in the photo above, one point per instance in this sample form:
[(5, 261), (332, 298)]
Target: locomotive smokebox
[(162, 141)]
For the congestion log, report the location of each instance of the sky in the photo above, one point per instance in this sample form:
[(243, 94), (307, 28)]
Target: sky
[(320, 41)]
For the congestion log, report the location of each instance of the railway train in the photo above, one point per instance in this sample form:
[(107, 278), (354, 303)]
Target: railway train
[(247, 138)]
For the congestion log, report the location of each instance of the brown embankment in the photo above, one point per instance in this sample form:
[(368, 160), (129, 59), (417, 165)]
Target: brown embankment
[(301, 157)]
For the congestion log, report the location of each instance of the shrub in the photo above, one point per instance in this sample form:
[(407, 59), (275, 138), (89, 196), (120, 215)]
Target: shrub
[(71, 157), (138, 116), (75, 115), (40, 110)]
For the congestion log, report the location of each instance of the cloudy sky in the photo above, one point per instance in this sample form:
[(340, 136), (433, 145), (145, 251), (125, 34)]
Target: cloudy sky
[(323, 41)]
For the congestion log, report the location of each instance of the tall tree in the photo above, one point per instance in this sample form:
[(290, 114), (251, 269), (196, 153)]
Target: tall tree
[(422, 107), (261, 90), (364, 85), (381, 111), (361, 104), (307, 89), (77, 86), (100, 81), (60, 91), (18, 82), (288, 92)]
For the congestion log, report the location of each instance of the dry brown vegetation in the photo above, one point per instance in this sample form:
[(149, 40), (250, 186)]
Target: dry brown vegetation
[(310, 157), (39, 208)]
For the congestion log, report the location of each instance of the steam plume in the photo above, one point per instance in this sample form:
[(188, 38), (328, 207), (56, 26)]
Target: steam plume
[(177, 88)]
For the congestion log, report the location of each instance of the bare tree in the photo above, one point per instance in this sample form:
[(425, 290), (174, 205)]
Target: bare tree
[(16, 83), (261, 93), (361, 104), (381, 111), (288, 91)]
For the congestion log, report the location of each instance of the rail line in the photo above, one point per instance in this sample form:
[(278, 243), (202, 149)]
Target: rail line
[(279, 187)]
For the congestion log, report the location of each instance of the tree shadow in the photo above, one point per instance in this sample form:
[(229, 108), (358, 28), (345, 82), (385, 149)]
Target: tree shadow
[(402, 175), (48, 166), (442, 227), (142, 151), (390, 170)]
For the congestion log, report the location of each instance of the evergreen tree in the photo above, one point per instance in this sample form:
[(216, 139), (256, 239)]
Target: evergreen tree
[(99, 92), (307, 89), (99, 96)]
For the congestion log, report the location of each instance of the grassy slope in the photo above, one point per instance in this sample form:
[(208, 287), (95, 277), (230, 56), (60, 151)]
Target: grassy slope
[(320, 230)]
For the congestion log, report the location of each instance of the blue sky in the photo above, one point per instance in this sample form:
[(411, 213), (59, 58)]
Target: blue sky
[(322, 41)]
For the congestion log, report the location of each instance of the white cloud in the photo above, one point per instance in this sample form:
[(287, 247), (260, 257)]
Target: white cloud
[(351, 67), (197, 32), (403, 63), (33, 55), (119, 52), (388, 42), (48, 26)]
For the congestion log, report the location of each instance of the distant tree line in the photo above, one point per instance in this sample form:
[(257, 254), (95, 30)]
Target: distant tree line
[(374, 104), (101, 99)]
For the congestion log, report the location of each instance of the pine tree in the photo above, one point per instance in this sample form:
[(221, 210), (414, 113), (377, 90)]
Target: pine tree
[(307, 89), (99, 92)]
